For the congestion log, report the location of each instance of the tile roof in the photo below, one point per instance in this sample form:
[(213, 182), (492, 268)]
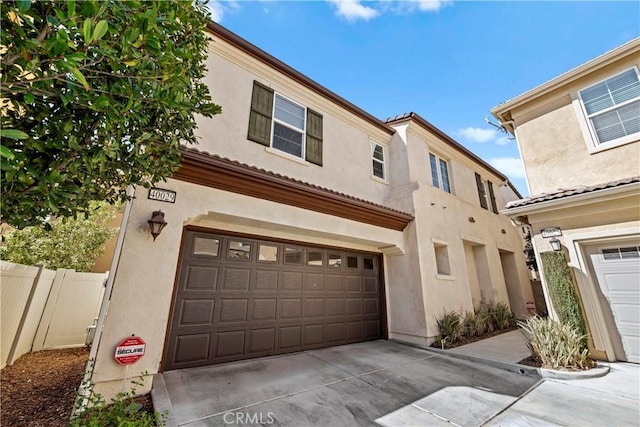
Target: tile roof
[(570, 192), (228, 161)]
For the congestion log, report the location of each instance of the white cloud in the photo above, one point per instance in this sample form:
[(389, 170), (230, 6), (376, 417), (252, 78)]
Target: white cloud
[(503, 140), (353, 10), (478, 134), (218, 8), (432, 5), (510, 166)]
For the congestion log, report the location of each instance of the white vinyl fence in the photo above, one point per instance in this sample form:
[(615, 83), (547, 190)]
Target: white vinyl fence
[(42, 309)]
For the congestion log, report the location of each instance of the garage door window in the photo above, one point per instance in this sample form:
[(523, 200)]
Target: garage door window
[(621, 253), (206, 246), (368, 263), (239, 250), (268, 253), (314, 258), (352, 261), (335, 260), (292, 255)]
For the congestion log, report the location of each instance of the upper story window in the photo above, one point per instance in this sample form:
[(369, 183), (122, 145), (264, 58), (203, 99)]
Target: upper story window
[(440, 173), (280, 123), (486, 195), (612, 107), (377, 158)]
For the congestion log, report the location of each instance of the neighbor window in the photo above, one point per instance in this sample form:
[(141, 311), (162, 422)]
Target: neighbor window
[(486, 194), (378, 160), (285, 125), (439, 173), (442, 259), (612, 106)]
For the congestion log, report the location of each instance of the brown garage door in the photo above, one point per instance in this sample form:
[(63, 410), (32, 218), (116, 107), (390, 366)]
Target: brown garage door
[(240, 298)]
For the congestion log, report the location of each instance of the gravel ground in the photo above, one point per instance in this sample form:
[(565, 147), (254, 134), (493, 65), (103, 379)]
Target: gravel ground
[(39, 389)]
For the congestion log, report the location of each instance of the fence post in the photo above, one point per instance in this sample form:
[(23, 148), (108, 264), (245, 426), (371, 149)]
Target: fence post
[(43, 327), (23, 318)]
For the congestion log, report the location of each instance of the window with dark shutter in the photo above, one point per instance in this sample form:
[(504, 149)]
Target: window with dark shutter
[(260, 115), (492, 197), (482, 195), (314, 138)]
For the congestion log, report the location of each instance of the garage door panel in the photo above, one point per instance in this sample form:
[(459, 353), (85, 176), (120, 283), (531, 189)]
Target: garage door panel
[(201, 278), (196, 312), (230, 343), (292, 281), (240, 298), (266, 280), (314, 282), (192, 348), (619, 282), (263, 309), (236, 279), (354, 284), (232, 310), (291, 308)]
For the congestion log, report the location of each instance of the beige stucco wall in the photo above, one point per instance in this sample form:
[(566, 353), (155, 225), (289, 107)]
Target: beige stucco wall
[(347, 137), (443, 218), (558, 149), (144, 282), (584, 224)]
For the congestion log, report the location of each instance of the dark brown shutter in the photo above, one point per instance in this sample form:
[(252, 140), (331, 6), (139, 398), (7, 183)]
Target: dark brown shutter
[(314, 137), (481, 193), (492, 197), (260, 115)]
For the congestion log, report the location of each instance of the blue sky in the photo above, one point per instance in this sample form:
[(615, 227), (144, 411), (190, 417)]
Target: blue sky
[(449, 61)]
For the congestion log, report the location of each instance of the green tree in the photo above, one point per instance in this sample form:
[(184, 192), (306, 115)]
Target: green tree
[(96, 95), (68, 243)]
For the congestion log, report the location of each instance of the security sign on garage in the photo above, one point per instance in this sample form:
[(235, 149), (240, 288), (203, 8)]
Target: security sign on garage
[(239, 298)]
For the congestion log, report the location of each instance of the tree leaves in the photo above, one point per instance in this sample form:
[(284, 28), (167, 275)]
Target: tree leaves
[(103, 93)]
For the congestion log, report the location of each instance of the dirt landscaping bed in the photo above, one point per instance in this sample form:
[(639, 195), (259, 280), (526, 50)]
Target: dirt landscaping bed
[(40, 388)]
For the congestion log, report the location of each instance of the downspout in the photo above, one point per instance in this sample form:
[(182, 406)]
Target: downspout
[(86, 386)]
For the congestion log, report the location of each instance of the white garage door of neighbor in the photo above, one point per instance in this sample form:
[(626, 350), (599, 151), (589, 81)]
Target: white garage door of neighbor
[(618, 272)]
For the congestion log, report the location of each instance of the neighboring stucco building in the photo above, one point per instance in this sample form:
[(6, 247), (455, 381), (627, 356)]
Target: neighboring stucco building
[(579, 138), (301, 221)]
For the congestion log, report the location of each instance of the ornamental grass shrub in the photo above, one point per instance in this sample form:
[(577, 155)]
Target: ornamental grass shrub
[(454, 327), (556, 345)]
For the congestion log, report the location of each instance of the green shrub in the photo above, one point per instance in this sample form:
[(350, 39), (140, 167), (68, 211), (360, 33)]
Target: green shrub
[(562, 292), (483, 320), (502, 316), (450, 327), (91, 410), (470, 324), (556, 345)]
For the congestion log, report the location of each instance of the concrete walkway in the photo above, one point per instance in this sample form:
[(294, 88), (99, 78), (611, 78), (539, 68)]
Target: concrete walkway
[(392, 384), (510, 347)]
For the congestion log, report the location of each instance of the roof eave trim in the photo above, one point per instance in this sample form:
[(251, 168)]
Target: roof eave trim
[(573, 200)]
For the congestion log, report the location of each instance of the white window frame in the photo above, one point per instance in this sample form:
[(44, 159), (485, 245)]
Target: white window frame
[(383, 162), (593, 144), (274, 120), (440, 185)]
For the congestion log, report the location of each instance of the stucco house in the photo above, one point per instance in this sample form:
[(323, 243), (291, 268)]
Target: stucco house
[(302, 221), (579, 136)]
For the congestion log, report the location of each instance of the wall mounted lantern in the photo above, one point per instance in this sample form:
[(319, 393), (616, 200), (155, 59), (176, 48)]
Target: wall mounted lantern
[(157, 223), (555, 244)]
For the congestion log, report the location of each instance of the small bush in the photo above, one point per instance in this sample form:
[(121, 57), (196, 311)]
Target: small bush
[(556, 345), (502, 316), (470, 324), (123, 411), (483, 320), (450, 327)]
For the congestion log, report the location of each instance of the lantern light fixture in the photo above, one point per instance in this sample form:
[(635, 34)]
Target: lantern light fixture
[(157, 223), (555, 244)]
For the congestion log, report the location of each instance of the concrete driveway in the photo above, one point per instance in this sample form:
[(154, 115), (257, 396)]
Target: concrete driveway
[(353, 385)]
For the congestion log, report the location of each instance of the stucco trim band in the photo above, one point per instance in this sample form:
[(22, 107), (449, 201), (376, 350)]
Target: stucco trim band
[(224, 174)]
